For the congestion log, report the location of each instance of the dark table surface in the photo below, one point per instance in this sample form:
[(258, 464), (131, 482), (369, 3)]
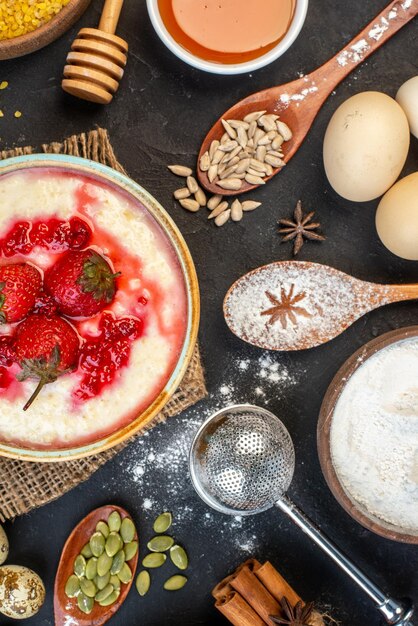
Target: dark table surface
[(159, 116)]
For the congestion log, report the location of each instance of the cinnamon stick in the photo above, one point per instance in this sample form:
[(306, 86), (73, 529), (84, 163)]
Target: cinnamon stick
[(256, 594), (223, 588), (276, 584), (238, 611)]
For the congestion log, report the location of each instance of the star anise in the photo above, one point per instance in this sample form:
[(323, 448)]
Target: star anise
[(293, 616), (301, 228), (285, 308)]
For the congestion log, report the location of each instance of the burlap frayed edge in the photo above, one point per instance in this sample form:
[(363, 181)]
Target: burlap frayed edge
[(25, 485)]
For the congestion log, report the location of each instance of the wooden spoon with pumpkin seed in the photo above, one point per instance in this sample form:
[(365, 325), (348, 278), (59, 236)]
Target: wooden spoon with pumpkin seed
[(99, 533)]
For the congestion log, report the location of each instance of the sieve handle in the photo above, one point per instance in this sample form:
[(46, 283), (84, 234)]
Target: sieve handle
[(394, 612)]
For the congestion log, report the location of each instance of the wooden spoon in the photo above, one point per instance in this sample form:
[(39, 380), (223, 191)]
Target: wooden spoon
[(298, 102), (97, 59), (66, 610), (294, 305)]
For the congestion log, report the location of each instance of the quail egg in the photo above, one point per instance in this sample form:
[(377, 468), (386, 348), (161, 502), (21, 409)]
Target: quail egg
[(22, 592), (4, 546)]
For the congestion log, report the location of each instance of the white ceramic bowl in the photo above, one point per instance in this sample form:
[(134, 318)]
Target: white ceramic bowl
[(228, 68)]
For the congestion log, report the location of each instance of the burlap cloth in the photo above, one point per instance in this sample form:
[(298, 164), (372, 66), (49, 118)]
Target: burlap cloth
[(25, 486)]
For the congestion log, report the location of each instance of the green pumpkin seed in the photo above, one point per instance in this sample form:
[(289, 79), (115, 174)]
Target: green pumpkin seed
[(175, 583), (91, 568), (163, 522), (114, 522), (72, 588), (130, 550), (104, 563), (102, 581), (104, 593), (179, 557), (160, 543), (125, 574), (110, 599), (86, 551), (80, 566), (114, 580), (118, 561), (85, 604), (155, 559), (127, 530), (97, 544), (114, 543), (88, 587), (143, 582), (103, 528)]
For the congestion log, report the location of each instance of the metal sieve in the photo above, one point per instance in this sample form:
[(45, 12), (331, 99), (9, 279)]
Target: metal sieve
[(242, 462)]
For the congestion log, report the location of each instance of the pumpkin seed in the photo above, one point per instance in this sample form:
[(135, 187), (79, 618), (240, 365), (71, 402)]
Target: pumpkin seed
[(72, 587), (80, 566), (143, 582), (104, 593), (102, 581), (175, 582), (114, 543), (97, 543), (161, 543), (130, 550), (155, 559), (179, 557), (104, 564), (103, 528), (114, 521), (164, 521), (85, 604), (91, 568), (125, 574), (86, 551), (114, 580), (110, 599), (178, 170), (118, 561), (127, 530), (88, 587)]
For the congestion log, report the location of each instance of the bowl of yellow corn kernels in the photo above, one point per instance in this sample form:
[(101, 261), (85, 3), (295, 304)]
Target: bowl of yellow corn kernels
[(27, 25)]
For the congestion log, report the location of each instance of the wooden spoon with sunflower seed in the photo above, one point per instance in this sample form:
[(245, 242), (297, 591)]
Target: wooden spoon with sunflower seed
[(96, 569), (286, 111)]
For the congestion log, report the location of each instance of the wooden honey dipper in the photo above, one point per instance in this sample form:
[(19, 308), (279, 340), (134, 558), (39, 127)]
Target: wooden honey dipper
[(97, 59)]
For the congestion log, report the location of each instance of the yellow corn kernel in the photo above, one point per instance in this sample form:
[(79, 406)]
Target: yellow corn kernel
[(18, 113), (4, 84)]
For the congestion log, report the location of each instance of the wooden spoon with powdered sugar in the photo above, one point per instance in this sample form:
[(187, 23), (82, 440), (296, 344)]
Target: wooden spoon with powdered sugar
[(294, 305), (298, 102)]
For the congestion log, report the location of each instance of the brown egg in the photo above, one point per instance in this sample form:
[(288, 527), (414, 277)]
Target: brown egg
[(397, 218), (22, 592), (4, 546)]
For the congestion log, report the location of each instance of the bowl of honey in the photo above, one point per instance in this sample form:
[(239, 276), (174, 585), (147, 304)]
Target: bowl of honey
[(227, 36)]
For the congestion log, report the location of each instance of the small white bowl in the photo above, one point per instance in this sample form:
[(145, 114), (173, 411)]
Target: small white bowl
[(228, 68)]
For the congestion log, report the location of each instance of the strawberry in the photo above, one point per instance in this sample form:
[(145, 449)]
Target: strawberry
[(81, 282), (19, 286), (45, 348)]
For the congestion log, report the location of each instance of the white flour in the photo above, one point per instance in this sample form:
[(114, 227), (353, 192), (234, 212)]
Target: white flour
[(374, 435)]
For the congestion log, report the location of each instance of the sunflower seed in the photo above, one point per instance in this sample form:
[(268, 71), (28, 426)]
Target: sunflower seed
[(192, 185), (200, 197), (242, 137), (236, 216), (213, 148), (130, 550), (231, 132), (277, 142), (238, 123), (252, 179), (182, 193), (225, 137), (268, 169), (212, 173), (143, 582), (253, 117), (223, 218), (258, 136), (284, 130), (228, 172), (250, 205), (217, 157), (267, 122), (268, 138), (178, 170), (251, 129), (274, 161), (155, 559), (85, 604), (175, 583), (114, 521), (72, 587), (230, 183), (260, 153), (80, 566), (204, 162), (242, 166), (228, 146), (104, 593), (257, 165), (218, 210), (190, 205), (212, 204), (231, 155)]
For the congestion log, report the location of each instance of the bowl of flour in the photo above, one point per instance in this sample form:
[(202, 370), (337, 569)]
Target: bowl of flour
[(368, 435)]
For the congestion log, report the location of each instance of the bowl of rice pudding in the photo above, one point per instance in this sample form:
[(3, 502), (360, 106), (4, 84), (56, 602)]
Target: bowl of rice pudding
[(368, 435), (134, 351)]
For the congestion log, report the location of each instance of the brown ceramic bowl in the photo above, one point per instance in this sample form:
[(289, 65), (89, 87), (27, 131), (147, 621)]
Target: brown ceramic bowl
[(353, 508), (42, 36)]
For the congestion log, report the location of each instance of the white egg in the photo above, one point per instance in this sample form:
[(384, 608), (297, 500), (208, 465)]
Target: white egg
[(4, 546), (365, 146), (397, 218), (22, 592), (407, 97)]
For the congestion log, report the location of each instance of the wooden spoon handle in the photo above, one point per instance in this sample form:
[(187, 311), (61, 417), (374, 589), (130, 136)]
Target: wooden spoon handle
[(387, 23), (398, 293), (110, 16)]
